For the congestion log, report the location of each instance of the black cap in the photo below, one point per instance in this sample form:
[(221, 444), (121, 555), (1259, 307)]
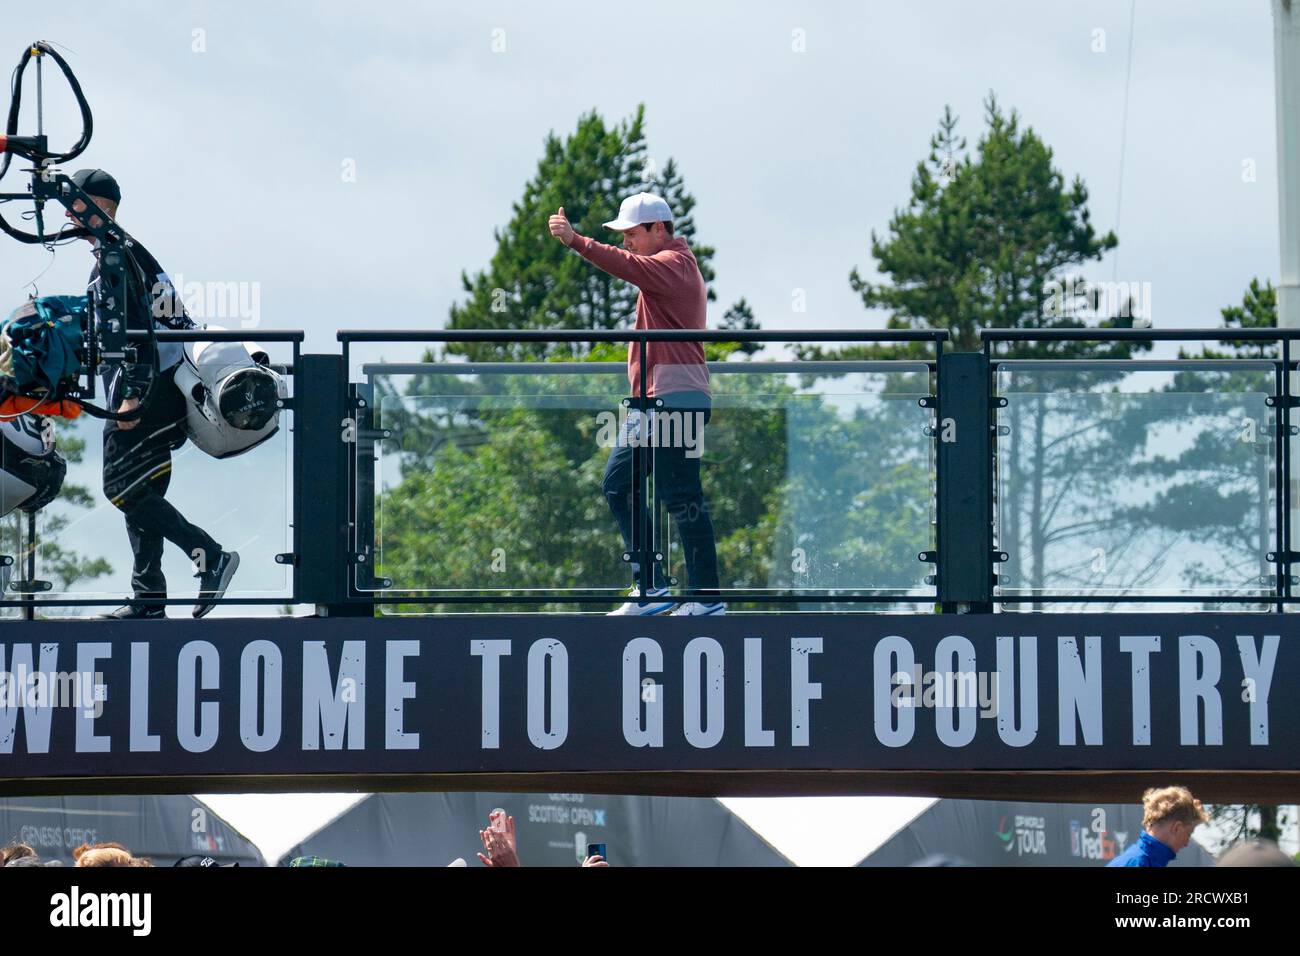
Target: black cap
[(96, 182), (200, 861)]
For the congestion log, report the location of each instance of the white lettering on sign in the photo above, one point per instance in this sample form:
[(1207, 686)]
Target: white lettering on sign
[(894, 658), (398, 690), (641, 702), (1199, 667), (548, 727), (490, 723), (1141, 648), (1079, 687), (703, 708), (332, 708), (261, 663), (755, 735), (802, 690), (197, 667), (1022, 694), (141, 741), (641, 656)]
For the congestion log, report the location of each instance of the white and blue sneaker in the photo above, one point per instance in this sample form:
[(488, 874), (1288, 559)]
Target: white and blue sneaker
[(695, 609), (658, 601)]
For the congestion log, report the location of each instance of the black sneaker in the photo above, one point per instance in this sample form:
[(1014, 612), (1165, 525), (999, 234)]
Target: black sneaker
[(136, 612), (214, 581)]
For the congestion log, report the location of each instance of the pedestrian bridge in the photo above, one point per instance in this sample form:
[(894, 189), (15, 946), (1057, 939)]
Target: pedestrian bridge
[(1056, 569)]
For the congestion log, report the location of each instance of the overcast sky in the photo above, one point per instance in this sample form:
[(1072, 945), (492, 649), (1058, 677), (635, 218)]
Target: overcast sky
[(797, 127), (232, 159)]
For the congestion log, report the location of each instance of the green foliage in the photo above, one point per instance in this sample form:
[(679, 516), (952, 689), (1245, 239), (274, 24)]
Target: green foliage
[(1216, 491), (534, 282), (500, 484), (982, 237), (1258, 310), (1250, 821), (741, 316), (501, 472)]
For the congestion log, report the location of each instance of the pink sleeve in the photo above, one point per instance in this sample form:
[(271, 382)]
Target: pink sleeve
[(657, 274)]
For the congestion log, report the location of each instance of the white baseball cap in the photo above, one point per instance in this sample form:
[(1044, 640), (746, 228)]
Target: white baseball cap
[(640, 209)]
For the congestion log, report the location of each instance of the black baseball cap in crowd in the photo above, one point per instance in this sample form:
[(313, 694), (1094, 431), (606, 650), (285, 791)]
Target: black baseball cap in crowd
[(204, 861), (96, 182)]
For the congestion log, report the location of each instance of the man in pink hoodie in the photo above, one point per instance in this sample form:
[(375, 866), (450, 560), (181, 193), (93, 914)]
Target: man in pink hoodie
[(672, 296)]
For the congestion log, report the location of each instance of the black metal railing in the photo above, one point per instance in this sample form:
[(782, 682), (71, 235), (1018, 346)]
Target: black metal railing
[(945, 481), (368, 556), (1276, 484), (61, 538)]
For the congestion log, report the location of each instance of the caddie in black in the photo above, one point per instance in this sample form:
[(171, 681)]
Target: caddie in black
[(137, 451)]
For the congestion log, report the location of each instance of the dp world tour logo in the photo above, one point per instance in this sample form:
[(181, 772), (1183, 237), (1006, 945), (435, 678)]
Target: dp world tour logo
[(1027, 836), (1006, 834)]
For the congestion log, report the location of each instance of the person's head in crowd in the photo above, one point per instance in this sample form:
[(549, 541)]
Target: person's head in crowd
[(1254, 853), (24, 861), (102, 854), (15, 851), (1170, 814)]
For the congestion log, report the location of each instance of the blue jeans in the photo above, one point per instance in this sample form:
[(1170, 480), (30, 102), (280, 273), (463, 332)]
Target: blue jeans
[(676, 470)]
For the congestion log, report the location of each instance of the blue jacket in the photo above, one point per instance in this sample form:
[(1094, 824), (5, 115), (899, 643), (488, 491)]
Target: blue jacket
[(1147, 851)]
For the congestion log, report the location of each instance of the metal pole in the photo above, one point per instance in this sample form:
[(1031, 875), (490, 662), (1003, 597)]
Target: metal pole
[(1286, 67), (640, 489), (1286, 48), (964, 481), (30, 611)]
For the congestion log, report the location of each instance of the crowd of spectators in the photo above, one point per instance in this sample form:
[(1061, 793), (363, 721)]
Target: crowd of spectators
[(499, 845), (1172, 813)]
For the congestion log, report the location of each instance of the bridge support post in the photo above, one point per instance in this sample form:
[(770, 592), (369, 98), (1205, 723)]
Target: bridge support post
[(322, 512), (964, 501)]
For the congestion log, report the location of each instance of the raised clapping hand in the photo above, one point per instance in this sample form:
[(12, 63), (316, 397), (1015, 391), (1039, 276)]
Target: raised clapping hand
[(499, 843), (560, 228)]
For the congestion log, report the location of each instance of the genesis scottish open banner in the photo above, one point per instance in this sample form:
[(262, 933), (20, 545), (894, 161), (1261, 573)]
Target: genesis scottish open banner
[(575, 693)]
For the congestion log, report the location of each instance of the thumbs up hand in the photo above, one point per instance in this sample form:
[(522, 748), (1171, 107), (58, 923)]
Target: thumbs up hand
[(560, 228)]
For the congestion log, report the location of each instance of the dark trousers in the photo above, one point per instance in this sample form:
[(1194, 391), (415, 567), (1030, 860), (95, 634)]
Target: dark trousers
[(137, 471), (676, 470)]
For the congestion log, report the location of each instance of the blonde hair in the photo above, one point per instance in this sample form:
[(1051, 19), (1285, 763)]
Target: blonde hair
[(102, 854), (1171, 803)]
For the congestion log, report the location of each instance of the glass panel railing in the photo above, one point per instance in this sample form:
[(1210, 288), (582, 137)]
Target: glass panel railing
[(1133, 478), (85, 551), (490, 478), (817, 476), (485, 477)]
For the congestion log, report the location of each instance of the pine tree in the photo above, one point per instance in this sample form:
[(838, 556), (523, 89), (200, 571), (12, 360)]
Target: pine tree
[(985, 238), (1258, 310), (981, 241), (533, 282), (741, 316)]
